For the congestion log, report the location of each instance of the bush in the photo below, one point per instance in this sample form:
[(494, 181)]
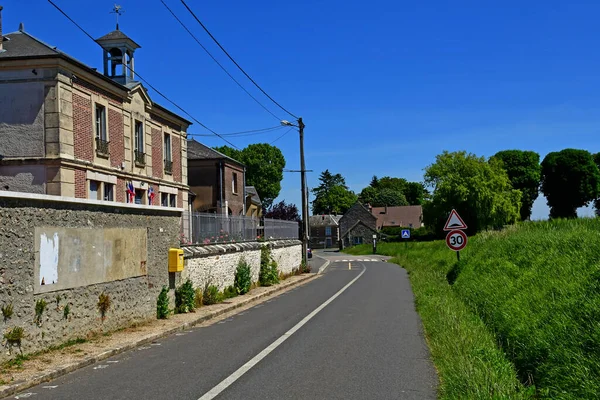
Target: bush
[(198, 298), (211, 295), (230, 292), (162, 304), (185, 298), (243, 277), (268, 274), (103, 304)]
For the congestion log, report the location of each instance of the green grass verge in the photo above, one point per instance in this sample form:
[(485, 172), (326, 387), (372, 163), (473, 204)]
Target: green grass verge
[(522, 316)]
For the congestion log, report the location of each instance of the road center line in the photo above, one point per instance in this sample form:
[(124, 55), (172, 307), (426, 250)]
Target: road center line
[(214, 392)]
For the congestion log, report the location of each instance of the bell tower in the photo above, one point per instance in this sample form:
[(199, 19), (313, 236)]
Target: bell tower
[(118, 51)]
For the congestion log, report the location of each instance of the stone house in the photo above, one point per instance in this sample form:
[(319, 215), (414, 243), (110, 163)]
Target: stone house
[(68, 130), (253, 203), (357, 226), (401, 216), (324, 231), (218, 181)]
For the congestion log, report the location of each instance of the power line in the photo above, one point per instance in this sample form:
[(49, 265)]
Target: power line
[(236, 64), (247, 133), (218, 63), (285, 133), (145, 81)]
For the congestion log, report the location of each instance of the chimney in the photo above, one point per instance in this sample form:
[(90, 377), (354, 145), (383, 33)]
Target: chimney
[(1, 37)]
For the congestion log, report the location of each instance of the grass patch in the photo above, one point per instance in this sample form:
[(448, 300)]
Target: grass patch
[(522, 316)]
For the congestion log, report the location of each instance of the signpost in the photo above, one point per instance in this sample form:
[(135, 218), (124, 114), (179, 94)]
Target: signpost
[(375, 244), (405, 233), (456, 239)]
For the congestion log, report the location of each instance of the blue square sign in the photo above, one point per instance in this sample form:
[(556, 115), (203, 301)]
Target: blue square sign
[(405, 233)]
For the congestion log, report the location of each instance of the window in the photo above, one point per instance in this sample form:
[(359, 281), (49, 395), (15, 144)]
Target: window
[(172, 200), (100, 122), (327, 231), (108, 192), (164, 199), (94, 189), (139, 196), (139, 143), (234, 183), (358, 240), (168, 160)]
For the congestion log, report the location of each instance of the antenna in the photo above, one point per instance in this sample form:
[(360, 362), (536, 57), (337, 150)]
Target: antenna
[(117, 10)]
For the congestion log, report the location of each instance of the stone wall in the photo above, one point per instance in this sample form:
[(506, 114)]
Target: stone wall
[(132, 294), (216, 264)]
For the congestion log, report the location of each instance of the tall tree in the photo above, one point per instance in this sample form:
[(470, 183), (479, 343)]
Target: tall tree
[(478, 189), (388, 191), (570, 179), (523, 168), (415, 193), (264, 168), (281, 210), (332, 196)]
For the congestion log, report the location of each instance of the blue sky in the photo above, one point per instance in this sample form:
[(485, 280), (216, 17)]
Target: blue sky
[(383, 86)]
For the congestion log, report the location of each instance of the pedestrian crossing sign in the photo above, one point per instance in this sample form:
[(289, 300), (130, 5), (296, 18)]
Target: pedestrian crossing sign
[(405, 233)]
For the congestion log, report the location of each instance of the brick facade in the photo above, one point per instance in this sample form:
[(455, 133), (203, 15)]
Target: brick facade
[(116, 146), (83, 128), (180, 198), (157, 153), (176, 142), (120, 192), (80, 184)]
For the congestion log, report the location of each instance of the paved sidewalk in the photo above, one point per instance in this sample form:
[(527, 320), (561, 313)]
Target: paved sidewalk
[(57, 363)]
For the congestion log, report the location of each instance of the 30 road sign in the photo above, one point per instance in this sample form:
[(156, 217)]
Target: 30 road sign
[(456, 240), (454, 222), (405, 233)]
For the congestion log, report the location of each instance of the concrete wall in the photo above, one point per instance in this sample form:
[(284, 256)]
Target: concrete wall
[(23, 178), (216, 264), (132, 286)]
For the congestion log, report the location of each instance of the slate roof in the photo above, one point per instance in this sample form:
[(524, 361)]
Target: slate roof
[(117, 35), (22, 44), (403, 216), (251, 192), (198, 151), (324, 220)]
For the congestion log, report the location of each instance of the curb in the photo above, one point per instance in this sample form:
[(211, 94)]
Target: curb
[(17, 387)]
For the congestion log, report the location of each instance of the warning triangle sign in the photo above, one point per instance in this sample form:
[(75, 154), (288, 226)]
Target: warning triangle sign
[(454, 222)]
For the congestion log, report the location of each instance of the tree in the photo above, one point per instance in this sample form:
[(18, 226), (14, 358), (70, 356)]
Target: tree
[(264, 168), (478, 189), (392, 192), (281, 210), (415, 193), (570, 179), (332, 196), (523, 168)]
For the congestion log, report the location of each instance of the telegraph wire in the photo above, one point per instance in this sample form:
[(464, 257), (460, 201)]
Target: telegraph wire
[(218, 63), (247, 133), (236, 64), (285, 133), (145, 81)]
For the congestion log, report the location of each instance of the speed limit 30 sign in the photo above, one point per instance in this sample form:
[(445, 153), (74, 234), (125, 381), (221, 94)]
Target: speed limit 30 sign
[(456, 240)]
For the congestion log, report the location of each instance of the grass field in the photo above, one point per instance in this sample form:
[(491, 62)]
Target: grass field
[(522, 315)]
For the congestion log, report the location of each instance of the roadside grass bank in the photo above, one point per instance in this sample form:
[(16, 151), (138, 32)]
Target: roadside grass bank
[(520, 312)]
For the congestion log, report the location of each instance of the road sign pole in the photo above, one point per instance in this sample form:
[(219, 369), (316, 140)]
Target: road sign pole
[(458, 255)]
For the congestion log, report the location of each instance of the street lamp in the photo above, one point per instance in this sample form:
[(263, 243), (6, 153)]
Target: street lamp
[(300, 127)]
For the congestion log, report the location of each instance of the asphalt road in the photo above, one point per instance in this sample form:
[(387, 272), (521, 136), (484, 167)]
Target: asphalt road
[(366, 343)]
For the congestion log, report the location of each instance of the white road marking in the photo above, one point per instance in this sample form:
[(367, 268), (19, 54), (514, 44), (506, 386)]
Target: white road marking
[(214, 392), (179, 334), (25, 395), (112, 361), (102, 366), (144, 348), (50, 387), (152, 344)]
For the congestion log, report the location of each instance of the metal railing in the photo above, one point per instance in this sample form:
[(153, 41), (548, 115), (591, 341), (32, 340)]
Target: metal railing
[(168, 166), (140, 157), (216, 228), (101, 146)]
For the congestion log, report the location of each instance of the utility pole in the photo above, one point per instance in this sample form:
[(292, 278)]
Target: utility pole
[(304, 194)]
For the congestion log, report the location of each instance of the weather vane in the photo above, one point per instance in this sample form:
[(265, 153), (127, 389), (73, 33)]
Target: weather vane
[(118, 10)]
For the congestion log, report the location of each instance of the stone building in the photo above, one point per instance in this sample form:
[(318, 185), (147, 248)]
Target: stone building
[(324, 231), (68, 130), (357, 226), (218, 181)]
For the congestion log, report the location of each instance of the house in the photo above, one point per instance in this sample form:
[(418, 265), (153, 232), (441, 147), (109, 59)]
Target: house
[(68, 130), (216, 179), (357, 226), (324, 231), (253, 203), (401, 216)]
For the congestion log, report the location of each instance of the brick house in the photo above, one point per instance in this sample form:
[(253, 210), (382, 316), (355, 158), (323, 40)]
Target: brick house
[(324, 231), (68, 130), (357, 226), (253, 203), (401, 216), (216, 179)]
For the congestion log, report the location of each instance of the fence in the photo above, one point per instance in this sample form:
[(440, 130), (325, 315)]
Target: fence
[(217, 228)]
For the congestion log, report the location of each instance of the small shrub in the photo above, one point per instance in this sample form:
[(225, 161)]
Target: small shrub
[(162, 304), (103, 304), (185, 298), (243, 277), (7, 311), (198, 298), (230, 292), (14, 337), (40, 306), (66, 311), (268, 274), (211, 295)]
